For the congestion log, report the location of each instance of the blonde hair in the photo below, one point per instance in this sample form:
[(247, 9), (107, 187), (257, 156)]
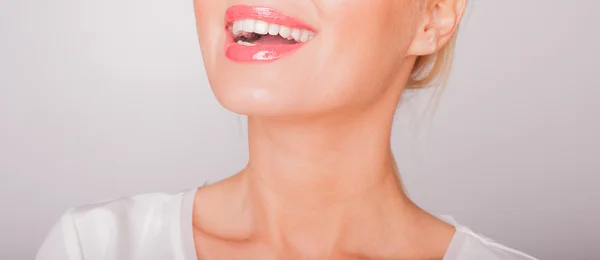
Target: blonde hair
[(433, 71)]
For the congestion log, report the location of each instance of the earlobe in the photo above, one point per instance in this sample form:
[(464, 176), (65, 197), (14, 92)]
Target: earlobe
[(439, 25), (424, 43)]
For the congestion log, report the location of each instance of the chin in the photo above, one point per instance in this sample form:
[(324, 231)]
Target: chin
[(255, 101)]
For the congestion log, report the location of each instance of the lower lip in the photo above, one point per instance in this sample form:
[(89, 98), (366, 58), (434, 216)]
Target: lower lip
[(259, 53)]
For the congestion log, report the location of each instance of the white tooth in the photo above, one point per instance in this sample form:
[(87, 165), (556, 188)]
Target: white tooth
[(249, 25), (237, 27), (296, 34), (261, 27), (273, 29), (285, 31), (304, 36), (245, 43)]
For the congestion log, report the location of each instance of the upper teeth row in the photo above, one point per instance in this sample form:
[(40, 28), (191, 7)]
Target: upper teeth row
[(264, 28)]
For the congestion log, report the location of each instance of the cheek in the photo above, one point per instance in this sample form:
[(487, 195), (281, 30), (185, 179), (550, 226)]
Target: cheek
[(379, 23), (209, 27), (202, 11), (361, 47)]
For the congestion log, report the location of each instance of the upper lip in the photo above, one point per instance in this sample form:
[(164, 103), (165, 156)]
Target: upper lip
[(267, 14)]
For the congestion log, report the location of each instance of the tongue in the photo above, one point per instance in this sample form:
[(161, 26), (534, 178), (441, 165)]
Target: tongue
[(273, 40)]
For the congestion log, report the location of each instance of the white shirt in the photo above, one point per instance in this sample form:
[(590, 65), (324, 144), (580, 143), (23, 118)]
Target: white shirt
[(159, 227)]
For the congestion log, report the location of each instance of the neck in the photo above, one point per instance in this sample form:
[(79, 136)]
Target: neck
[(339, 167), (319, 163)]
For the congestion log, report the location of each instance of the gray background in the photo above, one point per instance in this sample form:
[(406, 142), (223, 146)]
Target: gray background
[(102, 99)]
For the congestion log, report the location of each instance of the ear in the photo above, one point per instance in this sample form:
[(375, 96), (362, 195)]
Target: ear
[(439, 23)]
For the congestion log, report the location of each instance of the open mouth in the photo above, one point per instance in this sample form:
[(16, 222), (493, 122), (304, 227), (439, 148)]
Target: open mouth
[(263, 34), (250, 32)]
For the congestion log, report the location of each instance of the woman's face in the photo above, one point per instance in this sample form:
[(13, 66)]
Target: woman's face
[(334, 54)]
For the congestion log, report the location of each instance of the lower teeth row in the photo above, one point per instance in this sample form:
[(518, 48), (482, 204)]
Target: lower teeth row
[(245, 43)]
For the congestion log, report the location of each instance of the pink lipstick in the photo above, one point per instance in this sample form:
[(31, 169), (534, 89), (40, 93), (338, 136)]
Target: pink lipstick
[(263, 34)]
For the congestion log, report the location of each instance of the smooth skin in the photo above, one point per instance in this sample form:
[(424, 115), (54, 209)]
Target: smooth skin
[(321, 182)]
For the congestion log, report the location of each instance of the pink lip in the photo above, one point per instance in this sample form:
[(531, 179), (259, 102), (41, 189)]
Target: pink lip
[(264, 52)]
